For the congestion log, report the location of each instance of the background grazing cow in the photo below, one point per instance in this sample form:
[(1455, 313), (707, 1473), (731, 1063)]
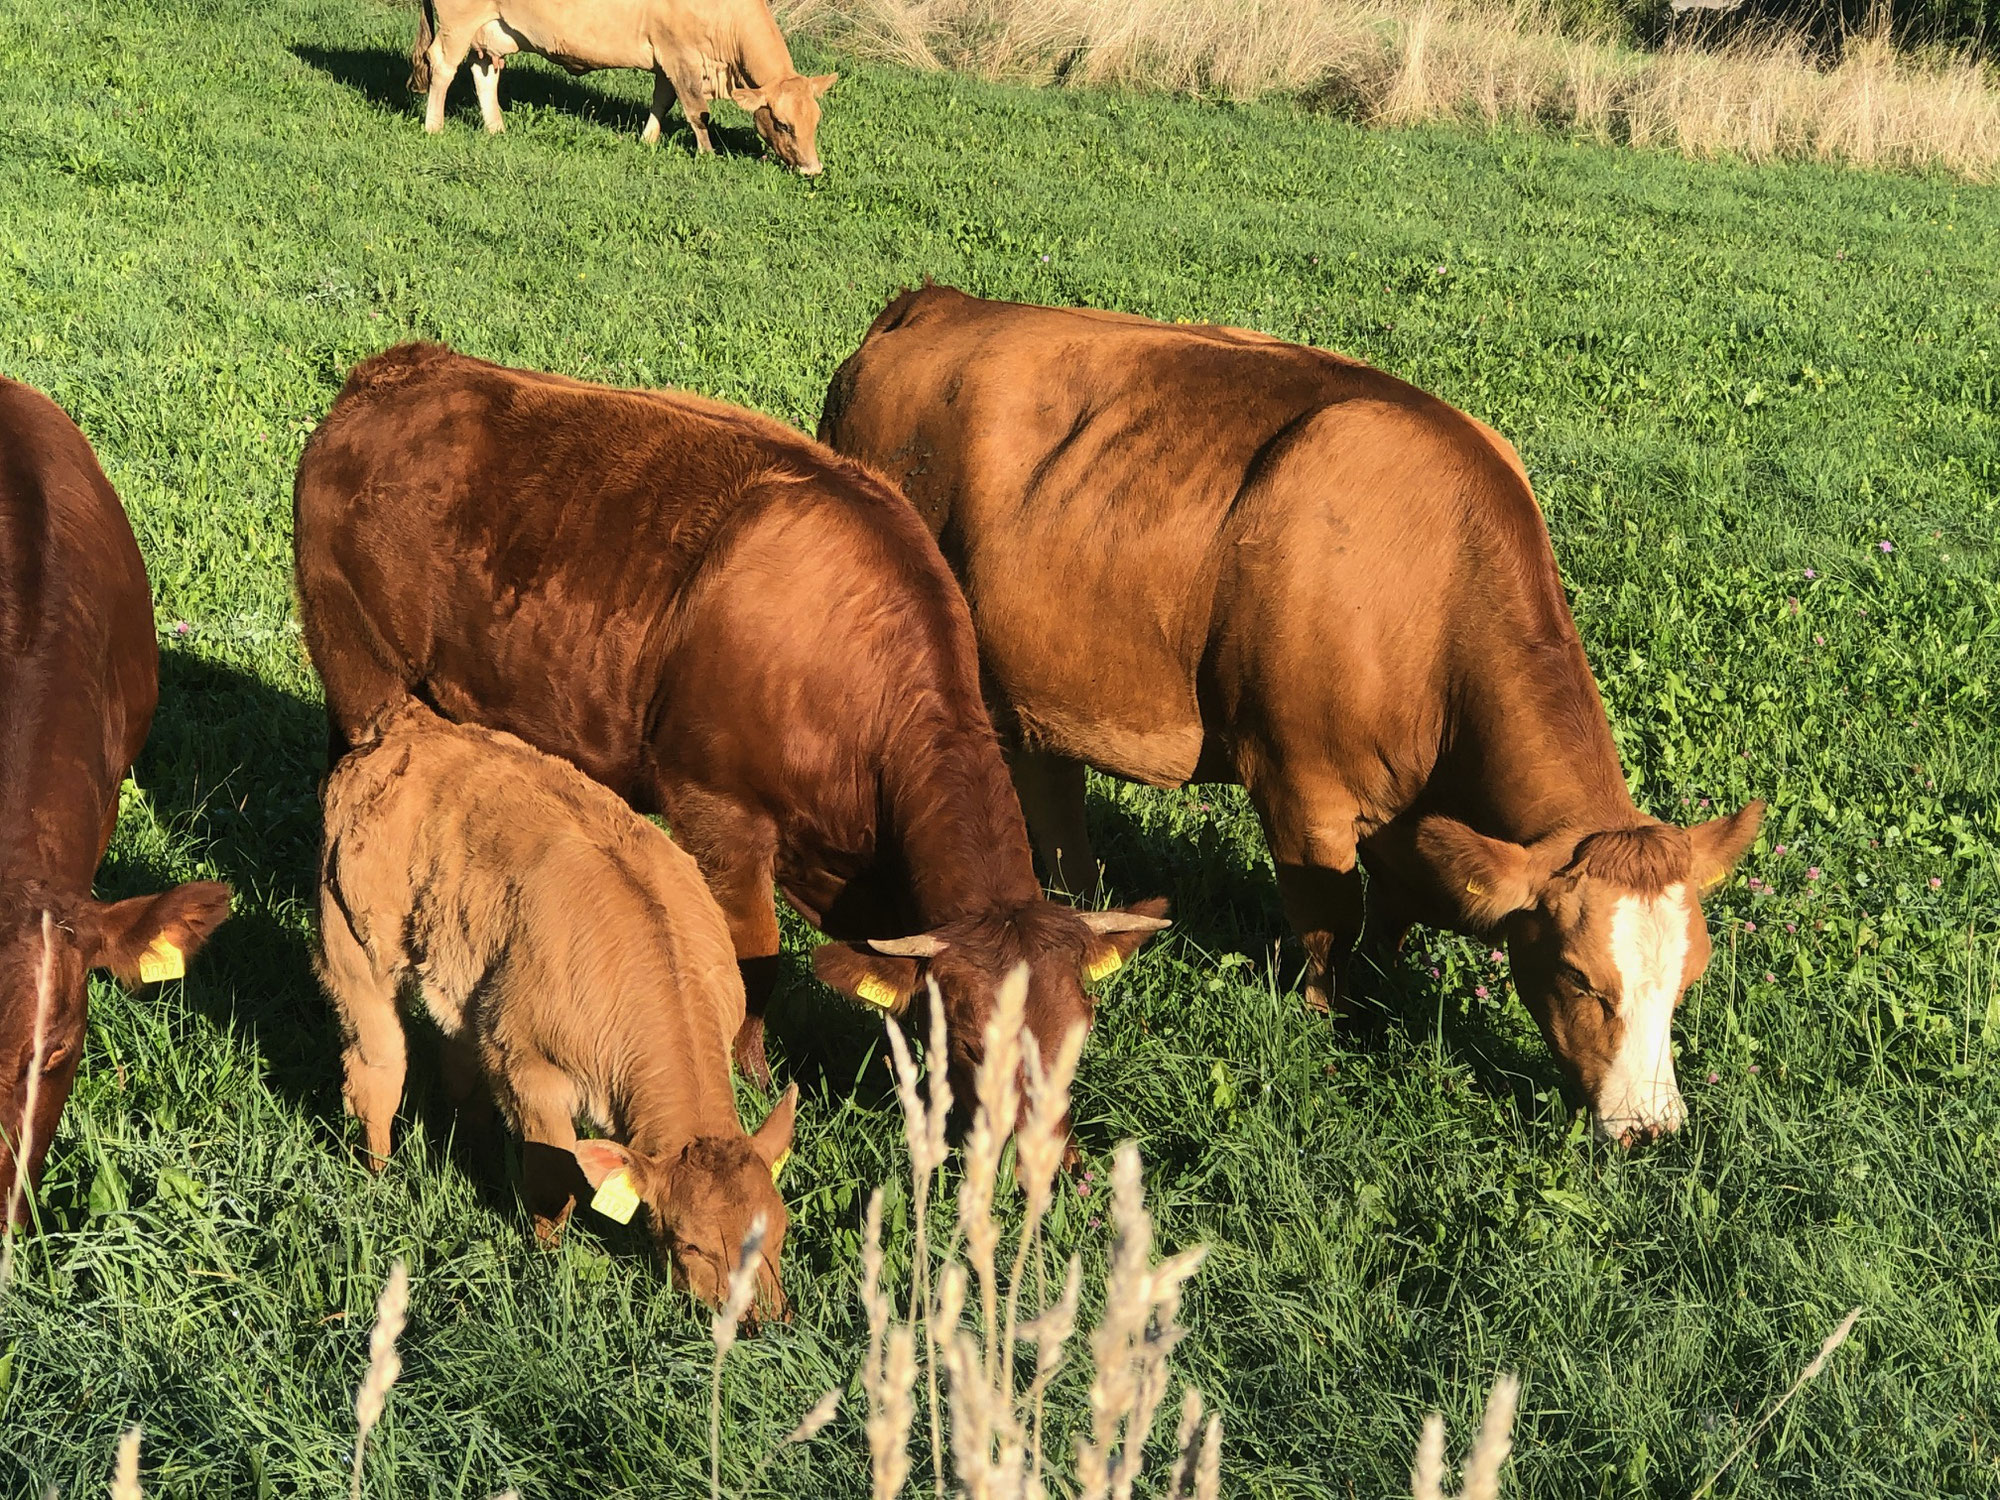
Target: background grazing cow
[(79, 677), (698, 49), (576, 965), (720, 621), (1202, 554)]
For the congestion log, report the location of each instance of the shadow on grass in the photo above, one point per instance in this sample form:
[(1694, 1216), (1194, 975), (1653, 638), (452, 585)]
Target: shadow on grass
[(382, 77)]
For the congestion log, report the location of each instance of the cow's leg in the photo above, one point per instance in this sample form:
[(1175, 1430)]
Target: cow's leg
[(663, 100), (1312, 842), (1051, 791), (545, 1103), (736, 852), (446, 53), (471, 1100), (694, 104), (375, 1058), (486, 83)]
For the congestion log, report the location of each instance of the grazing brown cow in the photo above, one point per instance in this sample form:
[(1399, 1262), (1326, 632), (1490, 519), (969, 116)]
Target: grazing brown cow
[(575, 963), (720, 621), (1202, 554), (79, 677), (698, 49)]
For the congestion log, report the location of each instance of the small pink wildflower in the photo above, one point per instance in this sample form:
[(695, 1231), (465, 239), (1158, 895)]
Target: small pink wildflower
[(1794, 603), (1479, 990), (1791, 927), (1812, 872), (181, 627), (1819, 640), (1434, 971), (1769, 977), (1495, 956), (1886, 545), (1749, 926), (1083, 1190), (1755, 1069), (1715, 1078), (1096, 1222), (1779, 851), (1936, 882)]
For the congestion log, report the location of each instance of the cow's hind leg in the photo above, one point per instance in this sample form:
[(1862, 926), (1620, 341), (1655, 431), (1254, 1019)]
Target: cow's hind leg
[(656, 117), (1051, 792), (446, 53), (486, 83), (375, 1058)]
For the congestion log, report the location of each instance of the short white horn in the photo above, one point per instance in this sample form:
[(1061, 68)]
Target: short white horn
[(1106, 922), (923, 945)]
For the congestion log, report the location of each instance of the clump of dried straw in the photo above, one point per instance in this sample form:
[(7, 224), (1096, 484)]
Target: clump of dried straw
[(1765, 96), (384, 1363)]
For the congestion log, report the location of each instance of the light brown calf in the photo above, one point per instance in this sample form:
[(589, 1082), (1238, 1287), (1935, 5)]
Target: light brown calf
[(576, 964), (698, 50)]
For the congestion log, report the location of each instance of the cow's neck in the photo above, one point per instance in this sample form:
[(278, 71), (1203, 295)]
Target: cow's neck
[(675, 1086), (760, 47), (1531, 753), (954, 821)]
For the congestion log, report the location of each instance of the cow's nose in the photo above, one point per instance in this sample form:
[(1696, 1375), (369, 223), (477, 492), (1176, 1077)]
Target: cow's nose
[(810, 169)]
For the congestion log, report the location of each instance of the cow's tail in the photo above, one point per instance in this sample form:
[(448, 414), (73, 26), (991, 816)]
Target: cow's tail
[(420, 51)]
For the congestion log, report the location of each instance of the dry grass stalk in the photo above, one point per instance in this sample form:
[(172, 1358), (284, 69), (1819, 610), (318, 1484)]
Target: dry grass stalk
[(1832, 1342), (1766, 96), (24, 1138), (924, 1129), (722, 1329), (889, 1369), (1481, 1479), (125, 1477), (384, 1364)]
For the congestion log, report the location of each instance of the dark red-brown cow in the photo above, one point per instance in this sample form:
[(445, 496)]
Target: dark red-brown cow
[(79, 676), (1203, 554), (720, 621)]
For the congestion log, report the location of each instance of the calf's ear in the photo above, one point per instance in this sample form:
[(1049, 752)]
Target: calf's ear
[(151, 937), (822, 83), (1117, 934), (1719, 843), (1485, 880), (772, 1141), (750, 100), (884, 981), (599, 1159)]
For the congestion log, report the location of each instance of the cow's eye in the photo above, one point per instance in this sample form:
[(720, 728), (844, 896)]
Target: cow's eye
[(786, 127), (1579, 981)]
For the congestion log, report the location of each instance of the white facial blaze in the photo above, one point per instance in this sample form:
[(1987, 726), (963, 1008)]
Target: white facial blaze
[(1649, 948)]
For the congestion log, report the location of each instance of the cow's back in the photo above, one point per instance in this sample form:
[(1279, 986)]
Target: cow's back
[(1151, 520), (79, 673)]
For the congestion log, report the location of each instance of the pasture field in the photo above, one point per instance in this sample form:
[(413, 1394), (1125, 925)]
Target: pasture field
[(1762, 410)]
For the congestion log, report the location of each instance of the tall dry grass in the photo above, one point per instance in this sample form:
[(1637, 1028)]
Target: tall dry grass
[(1762, 97)]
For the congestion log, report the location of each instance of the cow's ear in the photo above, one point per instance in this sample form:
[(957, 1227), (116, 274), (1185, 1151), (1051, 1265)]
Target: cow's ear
[(772, 1141), (1117, 934), (1719, 843), (822, 83), (882, 980), (151, 937), (1485, 880), (750, 100)]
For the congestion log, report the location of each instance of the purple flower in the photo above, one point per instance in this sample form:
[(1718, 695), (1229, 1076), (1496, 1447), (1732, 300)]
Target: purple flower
[(1434, 971), (1811, 574), (1886, 545), (1479, 990)]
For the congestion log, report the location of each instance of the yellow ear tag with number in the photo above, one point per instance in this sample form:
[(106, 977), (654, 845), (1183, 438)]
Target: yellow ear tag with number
[(1474, 888), (779, 1165), (161, 961), (616, 1198), (1107, 962), (876, 992)]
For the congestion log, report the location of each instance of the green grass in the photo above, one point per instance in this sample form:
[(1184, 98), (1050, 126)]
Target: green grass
[(1720, 379)]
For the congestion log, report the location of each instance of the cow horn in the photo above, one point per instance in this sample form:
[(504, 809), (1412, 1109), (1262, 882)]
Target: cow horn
[(923, 945), (1104, 923)]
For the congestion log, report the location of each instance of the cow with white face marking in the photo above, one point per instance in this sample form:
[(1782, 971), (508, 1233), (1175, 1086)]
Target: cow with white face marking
[(1202, 554)]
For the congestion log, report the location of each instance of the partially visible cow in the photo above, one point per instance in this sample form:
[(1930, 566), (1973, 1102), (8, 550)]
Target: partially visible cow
[(79, 677), (576, 965), (700, 50), (722, 622), (1202, 554)]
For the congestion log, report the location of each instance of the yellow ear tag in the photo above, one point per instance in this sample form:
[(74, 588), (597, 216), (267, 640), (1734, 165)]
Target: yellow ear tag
[(779, 1165), (877, 992), (161, 961), (1107, 962), (1474, 888), (617, 1199)]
